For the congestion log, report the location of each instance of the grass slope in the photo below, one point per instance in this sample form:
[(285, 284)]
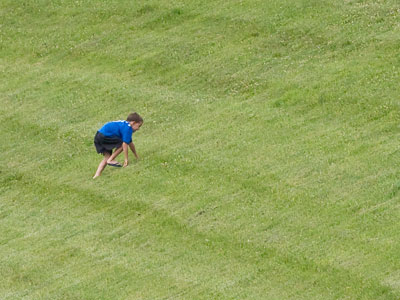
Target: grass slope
[(269, 153)]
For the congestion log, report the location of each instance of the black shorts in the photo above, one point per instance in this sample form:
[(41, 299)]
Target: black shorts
[(105, 144)]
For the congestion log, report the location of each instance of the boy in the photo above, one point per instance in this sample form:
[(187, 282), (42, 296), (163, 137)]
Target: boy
[(116, 134)]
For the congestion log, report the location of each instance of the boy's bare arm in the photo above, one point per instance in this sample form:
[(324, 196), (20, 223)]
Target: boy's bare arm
[(125, 149), (132, 146)]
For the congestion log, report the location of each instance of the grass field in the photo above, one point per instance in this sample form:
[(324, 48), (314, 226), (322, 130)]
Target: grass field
[(269, 153)]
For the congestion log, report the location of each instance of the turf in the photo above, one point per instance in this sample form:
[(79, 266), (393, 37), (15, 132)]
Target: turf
[(268, 158)]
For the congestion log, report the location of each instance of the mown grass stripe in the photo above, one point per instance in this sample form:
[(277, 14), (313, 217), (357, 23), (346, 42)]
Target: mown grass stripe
[(240, 252)]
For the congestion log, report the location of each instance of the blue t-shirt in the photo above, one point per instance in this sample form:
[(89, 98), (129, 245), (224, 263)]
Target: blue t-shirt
[(120, 129)]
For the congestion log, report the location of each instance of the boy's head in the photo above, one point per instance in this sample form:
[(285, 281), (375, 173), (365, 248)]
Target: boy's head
[(135, 121)]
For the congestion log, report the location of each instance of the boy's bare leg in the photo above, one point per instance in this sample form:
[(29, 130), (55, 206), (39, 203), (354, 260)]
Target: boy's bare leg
[(111, 159), (102, 165)]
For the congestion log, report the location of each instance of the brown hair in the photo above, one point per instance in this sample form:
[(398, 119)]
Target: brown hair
[(135, 118)]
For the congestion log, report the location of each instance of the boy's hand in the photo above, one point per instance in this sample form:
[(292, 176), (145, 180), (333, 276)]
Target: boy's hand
[(125, 163)]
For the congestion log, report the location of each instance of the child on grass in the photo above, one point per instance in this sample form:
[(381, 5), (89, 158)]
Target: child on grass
[(116, 134)]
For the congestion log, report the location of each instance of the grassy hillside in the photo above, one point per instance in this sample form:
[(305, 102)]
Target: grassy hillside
[(269, 154)]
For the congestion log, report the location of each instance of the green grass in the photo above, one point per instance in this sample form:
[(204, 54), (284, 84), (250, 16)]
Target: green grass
[(269, 152)]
